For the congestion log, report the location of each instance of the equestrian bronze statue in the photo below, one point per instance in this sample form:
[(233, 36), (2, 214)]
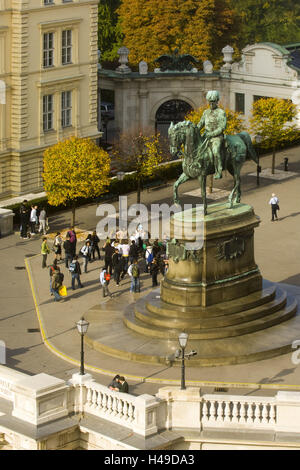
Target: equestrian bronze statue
[(212, 152)]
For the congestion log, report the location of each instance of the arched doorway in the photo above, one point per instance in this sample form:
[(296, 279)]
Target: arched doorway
[(170, 111)]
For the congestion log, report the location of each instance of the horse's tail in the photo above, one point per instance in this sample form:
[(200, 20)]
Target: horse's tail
[(247, 140)]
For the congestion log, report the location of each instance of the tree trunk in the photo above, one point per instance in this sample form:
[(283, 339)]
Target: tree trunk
[(138, 193), (273, 162), (73, 214)]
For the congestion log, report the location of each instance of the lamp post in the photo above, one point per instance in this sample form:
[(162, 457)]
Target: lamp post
[(82, 327), (183, 339)]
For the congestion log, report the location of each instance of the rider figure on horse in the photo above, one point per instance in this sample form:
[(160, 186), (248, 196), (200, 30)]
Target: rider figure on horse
[(214, 120)]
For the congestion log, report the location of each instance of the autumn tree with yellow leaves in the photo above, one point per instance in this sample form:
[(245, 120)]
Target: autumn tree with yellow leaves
[(75, 168), (272, 122), (155, 27), (140, 153)]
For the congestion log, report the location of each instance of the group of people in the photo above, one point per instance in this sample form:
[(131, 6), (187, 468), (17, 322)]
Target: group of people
[(121, 257), (32, 220)]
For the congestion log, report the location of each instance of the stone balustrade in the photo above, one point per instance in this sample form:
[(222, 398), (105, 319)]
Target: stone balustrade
[(42, 399), (237, 411)]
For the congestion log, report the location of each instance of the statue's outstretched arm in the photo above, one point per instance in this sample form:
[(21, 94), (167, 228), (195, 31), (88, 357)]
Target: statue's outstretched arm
[(201, 123)]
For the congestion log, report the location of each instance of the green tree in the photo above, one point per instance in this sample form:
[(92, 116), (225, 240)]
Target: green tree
[(109, 32), (156, 27), (75, 168), (140, 153), (268, 21), (272, 122)]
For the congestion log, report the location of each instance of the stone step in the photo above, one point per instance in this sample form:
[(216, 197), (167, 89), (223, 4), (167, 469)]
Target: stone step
[(158, 306), (153, 331), (142, 313)]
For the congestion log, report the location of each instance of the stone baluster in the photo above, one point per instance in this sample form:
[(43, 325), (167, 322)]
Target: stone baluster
[(120, 408), (220, 411), (114, 406), (265, 413), (257, 411), (104, 402), (131, 412), (243, 413), (89, 397), (227, 414), (205, 412), (99, 400), (125, 410), (272, 414), (235, 412), (109, 404), (94, 399)]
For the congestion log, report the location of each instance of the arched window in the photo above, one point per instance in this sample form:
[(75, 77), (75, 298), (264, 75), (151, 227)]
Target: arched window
[(170, 111)]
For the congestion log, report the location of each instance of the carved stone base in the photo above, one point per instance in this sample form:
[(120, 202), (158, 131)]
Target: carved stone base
[(223, 268)]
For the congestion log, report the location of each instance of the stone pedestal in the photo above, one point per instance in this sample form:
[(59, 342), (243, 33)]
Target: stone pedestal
[(223, 268)]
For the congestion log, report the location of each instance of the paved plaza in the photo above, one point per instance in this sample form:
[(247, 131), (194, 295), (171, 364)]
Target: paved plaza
[(41, 335)]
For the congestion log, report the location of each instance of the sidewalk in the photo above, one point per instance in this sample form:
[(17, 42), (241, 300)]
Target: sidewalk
[(276, 246)]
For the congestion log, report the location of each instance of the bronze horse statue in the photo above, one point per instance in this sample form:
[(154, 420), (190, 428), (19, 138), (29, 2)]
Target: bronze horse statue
[(198, 161)]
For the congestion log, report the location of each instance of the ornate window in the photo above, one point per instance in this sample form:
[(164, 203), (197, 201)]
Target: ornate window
[(48, 50), (48, 113), (66, 108), (66, 47)]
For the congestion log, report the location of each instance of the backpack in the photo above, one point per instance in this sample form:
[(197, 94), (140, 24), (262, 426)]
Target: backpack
[(72, 267), (135, 271), (150, 258), (107, 277)]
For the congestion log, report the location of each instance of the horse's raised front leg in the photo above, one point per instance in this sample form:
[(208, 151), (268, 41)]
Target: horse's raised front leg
[(182, 179), (202, 181)]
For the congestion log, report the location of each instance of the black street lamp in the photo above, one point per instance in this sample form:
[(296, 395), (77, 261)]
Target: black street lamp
[(82, 327), (183, 339)]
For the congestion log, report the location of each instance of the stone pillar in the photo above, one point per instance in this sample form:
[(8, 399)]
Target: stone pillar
[(144, 118), (288, 412), (40, 399), (146, 408), (184, 407)]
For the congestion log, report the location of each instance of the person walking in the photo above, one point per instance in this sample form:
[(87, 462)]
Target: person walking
[(108, 252), (124, 250), (117, 263), (85, 251), (274, 201), (68, 247), (24, 219), (148, 258), (95, 245), (52, 268), (154, 270), (42, 221), (134, 273), (33, 220), (104, 281), (57, 280), (57, 246), (75, 271), (133, 252), (73, 240), (45, 250)]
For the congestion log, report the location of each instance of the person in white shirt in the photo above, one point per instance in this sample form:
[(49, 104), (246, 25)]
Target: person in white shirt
[(33, 219), (104, 281), (274, 201), (85, 251), (124, 250)]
